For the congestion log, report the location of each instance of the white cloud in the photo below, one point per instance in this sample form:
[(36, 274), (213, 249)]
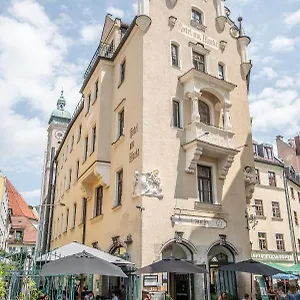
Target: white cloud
[(116, 12), (31, 194), (30, 83), (91, 33), (282, 44), (292, 19), (270, 59), (285, 82), (266, 72)]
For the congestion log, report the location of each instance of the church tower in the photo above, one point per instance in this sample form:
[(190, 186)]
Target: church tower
[(58, 124)]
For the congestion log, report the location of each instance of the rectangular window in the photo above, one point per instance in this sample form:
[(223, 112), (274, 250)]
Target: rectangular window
[(204, 184), (96, 89), (221, 71), (72, 143), (176, 114), (296, 218), (122, 71), (262, 241), (121, 122), (175, 55), (79, 133), (93, 139), (292, 193), (70, 178), (299, 196), (275, 210), (259, 210), (268, 153), (279, 241), (199, 61), (77, 169), (255, 149), (67, 220), (299, 244), (119, 187), (257, 176), (196, 16), (98, 201), (88, 104), (74, 215), (86, 146), (272, 179)]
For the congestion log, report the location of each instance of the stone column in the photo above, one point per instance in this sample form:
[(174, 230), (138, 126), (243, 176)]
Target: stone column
[(194, 97), (227, 121)]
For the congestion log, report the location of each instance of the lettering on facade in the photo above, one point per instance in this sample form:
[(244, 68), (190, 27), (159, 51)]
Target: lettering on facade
[(134, 152), (271, 256), (198, 221), (198, 36)]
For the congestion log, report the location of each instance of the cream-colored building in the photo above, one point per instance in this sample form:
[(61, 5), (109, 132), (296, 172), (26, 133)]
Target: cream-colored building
[(154, 161), (274, 209)]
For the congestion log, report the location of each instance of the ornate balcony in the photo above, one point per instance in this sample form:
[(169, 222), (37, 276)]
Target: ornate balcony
[(203, 139), (99, 172)]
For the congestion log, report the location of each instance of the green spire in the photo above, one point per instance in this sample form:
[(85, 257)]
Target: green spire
[(61, 102)]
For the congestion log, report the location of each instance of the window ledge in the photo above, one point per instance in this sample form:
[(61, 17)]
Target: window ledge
[(96, 218), (121, 82), (261, 217), (73, 228), (116, 207), (92, 153), (178, 68), (65, 232), (197, 25), (80, 224), (277, 219), (178, 128), (207, 206), (119, 140)]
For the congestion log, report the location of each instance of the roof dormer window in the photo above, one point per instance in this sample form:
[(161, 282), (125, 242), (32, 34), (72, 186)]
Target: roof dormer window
[(255, 149), (268, 152)]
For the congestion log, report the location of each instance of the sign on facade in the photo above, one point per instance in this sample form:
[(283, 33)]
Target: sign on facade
[(271, 256), (198, 221), (198, 36)]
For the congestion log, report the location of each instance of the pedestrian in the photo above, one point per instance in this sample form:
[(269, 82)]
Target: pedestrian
[(293, 294), (223, 296), (246, 296), (114, 296)]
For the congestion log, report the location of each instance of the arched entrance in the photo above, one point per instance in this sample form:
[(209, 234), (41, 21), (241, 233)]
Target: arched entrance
[(179, 286), (220, 255)]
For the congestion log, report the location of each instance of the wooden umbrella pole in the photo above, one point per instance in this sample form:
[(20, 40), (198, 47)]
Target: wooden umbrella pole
[(251, 285)]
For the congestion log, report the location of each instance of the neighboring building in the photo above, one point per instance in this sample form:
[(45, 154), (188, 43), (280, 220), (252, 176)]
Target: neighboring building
[(5, 219), (23, 231), (155, 160), (58, 122), (275, 209)]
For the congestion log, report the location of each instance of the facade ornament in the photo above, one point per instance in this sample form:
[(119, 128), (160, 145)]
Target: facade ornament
[(178, 236), (147, 184), (115, 240), (225, 165), (86, 191), (102, 172), (172, 21), (251, 219), (234, 32), (250, 181), (223, 45), (222, 239)]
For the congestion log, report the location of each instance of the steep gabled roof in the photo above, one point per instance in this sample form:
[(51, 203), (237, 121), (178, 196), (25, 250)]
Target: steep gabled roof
[(17, 203)]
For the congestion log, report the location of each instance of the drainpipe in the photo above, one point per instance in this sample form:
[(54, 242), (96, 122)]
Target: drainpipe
[(84, 221), (291, 224), (47, 222)]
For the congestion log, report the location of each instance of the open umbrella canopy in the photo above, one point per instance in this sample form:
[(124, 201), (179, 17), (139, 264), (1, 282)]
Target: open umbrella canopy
[(81, 263), (251, 266), (171, 265)]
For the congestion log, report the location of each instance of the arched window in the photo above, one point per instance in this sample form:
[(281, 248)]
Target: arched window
[(204, 112)]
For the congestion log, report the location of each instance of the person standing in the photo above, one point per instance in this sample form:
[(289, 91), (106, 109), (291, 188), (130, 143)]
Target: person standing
[(293, 294)]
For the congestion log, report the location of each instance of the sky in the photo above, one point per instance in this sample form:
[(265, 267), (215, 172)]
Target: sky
[(47, 44)]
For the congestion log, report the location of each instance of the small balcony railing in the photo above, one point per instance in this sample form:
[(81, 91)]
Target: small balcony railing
[(103, 50)]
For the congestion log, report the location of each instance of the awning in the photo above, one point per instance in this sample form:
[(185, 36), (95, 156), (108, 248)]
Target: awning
[(282, 267)]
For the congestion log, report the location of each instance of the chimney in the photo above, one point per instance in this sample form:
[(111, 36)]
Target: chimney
[(297, 145), (291, 142)]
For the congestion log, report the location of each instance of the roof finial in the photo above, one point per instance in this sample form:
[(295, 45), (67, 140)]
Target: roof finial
[(61, 102), (242, 32)]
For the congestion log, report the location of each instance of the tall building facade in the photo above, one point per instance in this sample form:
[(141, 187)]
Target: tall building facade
[(58, 123), (155, 160), (274, 210)]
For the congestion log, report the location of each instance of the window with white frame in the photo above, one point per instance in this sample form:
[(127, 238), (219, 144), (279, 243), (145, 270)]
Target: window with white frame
[(93, 145), (121, 122), (98, 201), (221, 71), (74, 215), (77, 169), (262, 241), (279, 241), (85, 150), (268, 152), (67, 219), (275, 209), (272, 178), (197, 16), (70, 178), (119, 187), (259, 209), (205, 184), (199, 61), (176, 114), (88, 103), (122, 71), (175, 54)]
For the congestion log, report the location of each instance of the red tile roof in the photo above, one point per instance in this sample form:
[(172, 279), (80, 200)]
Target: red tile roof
[(17, 203), (30, 232)]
